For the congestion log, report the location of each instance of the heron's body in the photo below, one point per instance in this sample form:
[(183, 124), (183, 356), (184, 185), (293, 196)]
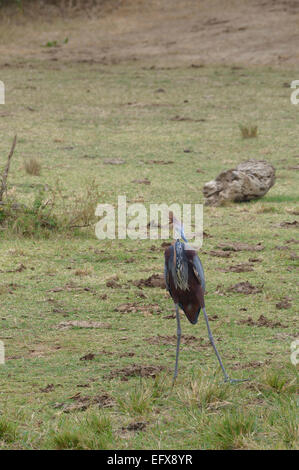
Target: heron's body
[(185, 284), (185, 281)]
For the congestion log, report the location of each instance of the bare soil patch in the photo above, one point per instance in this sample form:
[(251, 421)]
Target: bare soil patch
[(155, 280), (237, 268), (135, 370), (250, 365), (164, 33), (220, 253), (286, 224), (283, 304), (83, 402), (262, 321), (136, 308), (135, 426), (238, 246), (172, 339), (245, 287), (65, 325)]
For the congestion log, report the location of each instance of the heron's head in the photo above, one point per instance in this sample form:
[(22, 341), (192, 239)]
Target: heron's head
[(178, 228)]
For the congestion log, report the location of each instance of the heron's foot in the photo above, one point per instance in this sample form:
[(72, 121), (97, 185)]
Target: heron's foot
[(234, 381)]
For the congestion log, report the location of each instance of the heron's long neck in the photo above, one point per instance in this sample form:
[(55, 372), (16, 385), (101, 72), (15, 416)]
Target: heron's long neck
[(181, 271)]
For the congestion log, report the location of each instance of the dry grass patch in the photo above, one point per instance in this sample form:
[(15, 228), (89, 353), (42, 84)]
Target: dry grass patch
[(32, 166), (248, 132)]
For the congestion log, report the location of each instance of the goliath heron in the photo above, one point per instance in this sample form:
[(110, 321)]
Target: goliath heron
[(185, 282)]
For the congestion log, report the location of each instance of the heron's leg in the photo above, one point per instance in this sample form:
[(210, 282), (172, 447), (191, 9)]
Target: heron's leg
[(178, 341), (226, 377)]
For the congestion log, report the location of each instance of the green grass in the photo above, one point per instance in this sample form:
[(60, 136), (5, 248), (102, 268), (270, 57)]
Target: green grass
[(228, 431), (91, 432), (8, 431), (81, 117), (138, 401)]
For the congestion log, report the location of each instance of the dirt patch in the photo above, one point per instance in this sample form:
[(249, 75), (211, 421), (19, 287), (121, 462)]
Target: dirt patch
[(156, 280), (113, 283), (220, 290), (213, 317), (220, 253), (84, 402), (167, 33), (245, 288), (8, 288), (65, 325), (135, 370), (88, 357), (294, 224), (19, 269), (155, 248), (283, 304), (135, 426), (43, 349), (126, 354), (250, 365), (144, 181), (71, 287), (182, 118), (237, 268), (158, 162), (48, 388), (172, 339), (262, 321), (116, 161), (136, 308), (293, 211), (238, 246)]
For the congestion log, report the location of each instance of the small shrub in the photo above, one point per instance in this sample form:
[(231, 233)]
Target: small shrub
[(50, 211), (8, 431), (80, 211), (277, 381), (138, 402), (91, 432), (31, 221), (290, 432), (203, 393), (283, 418), (229, 431), (248, 132), (160, 387), (83, 272), (67, 439), (32, 166)]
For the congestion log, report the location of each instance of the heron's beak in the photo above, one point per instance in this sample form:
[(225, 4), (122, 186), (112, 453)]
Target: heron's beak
[(183, 235)]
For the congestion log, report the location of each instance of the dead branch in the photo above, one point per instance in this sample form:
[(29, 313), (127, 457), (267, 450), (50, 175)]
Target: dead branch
[(6, 169)]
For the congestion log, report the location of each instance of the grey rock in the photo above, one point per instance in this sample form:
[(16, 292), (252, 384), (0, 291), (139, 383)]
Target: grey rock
[(250, 180)]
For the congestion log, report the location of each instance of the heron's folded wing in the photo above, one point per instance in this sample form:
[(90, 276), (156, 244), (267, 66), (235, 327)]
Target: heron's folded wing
[(198, 271), (166, 276)]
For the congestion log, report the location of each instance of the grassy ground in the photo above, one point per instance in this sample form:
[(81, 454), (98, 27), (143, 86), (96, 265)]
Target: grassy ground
[(72, 118)]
